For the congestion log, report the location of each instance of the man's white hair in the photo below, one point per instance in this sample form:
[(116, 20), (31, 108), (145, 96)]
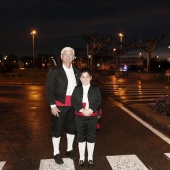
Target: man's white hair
[(67, 48)]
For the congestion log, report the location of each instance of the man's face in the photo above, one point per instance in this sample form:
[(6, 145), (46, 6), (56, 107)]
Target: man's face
[(67, 57)]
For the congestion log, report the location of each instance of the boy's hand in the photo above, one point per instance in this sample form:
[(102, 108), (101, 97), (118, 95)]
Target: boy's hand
[(87, 112)]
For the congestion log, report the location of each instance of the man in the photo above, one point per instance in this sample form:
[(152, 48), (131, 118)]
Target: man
[(60, 84)]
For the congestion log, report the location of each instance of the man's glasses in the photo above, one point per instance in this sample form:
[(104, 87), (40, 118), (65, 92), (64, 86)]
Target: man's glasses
[(68, 55)]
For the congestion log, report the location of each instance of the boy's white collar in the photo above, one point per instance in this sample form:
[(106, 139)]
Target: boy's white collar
[(86, 86)]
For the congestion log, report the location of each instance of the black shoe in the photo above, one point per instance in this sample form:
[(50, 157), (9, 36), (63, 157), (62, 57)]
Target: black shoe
[(81, 163), (58, 159), (90, 164), (71, 155)]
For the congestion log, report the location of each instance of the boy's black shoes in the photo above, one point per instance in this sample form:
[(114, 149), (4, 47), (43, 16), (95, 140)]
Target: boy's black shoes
[(71, 155), (81, 163), (58, 159), (90, 164)]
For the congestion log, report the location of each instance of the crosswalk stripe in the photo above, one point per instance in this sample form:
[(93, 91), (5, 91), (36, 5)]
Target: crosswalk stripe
[(2, 163), (117, 162), (133, 94), (167, 154), (139, 100), (126, 162), (50, 164)]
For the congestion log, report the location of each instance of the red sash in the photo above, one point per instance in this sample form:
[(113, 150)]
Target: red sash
[(67, 102), (80, 113)]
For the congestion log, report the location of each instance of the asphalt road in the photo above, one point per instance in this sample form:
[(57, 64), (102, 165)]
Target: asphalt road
[(25, 140)]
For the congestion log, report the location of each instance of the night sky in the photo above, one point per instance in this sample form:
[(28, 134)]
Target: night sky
[(63, 23)]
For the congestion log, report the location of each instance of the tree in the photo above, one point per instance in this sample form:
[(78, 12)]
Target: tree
[(147, 45), (95, 44)]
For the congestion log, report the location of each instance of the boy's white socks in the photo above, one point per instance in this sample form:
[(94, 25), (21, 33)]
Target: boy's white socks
[(90, 150), (82, 146)]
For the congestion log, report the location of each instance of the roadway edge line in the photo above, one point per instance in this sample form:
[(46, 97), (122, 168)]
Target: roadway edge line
[(158, 133)]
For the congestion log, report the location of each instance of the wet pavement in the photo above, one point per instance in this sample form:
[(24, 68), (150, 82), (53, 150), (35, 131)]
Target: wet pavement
[(25, 140)]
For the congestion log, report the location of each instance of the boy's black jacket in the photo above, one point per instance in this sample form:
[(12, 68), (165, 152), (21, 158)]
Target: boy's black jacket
[(94, 97)]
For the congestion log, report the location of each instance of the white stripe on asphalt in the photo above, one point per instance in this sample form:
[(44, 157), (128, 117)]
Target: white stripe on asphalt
[(50, 164), (123, 162), (2, 163), (162, 136), (167, 154), (126, 162)]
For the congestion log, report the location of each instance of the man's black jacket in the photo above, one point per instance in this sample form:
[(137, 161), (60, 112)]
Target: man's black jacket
[(56, 84)]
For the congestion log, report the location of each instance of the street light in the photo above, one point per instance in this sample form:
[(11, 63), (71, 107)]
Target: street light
[(120, 35), (33, 32)]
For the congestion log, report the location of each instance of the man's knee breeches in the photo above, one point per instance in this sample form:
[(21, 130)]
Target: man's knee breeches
[(66, 120)]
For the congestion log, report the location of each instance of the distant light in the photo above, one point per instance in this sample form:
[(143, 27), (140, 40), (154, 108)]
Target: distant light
[(120, 34), (169, 46), (125, 67), (33, 32)]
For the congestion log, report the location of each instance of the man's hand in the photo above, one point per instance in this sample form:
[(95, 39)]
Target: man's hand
[(55, 111)]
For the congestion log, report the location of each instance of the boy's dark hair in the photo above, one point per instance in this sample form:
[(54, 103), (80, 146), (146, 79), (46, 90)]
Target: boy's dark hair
[(85, 70)]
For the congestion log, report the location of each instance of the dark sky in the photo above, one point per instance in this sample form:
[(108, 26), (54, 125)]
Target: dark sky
[(63, 23)]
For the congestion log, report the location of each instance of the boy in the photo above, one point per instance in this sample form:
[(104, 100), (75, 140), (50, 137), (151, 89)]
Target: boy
[(86, 99)]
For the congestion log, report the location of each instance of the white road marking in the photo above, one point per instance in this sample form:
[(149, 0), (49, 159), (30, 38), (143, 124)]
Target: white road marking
[(50, 164), (162, 136), (126, 162), (167, 154), (2, 163)]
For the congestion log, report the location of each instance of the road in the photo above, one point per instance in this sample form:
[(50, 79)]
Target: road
[(129, 91), (25, 140)]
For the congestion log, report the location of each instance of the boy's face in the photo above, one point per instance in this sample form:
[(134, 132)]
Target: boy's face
[(85, 78)]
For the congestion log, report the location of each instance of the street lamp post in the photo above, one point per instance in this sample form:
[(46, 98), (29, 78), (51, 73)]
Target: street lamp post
[(33, 32), (87, 45), (120, 35)]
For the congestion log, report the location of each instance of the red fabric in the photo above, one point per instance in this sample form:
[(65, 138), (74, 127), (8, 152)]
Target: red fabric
[(98, 126), (67, 102), (81, 114)]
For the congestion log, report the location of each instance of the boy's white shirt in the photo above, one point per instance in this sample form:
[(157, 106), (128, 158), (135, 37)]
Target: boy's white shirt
[(85, 97)]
